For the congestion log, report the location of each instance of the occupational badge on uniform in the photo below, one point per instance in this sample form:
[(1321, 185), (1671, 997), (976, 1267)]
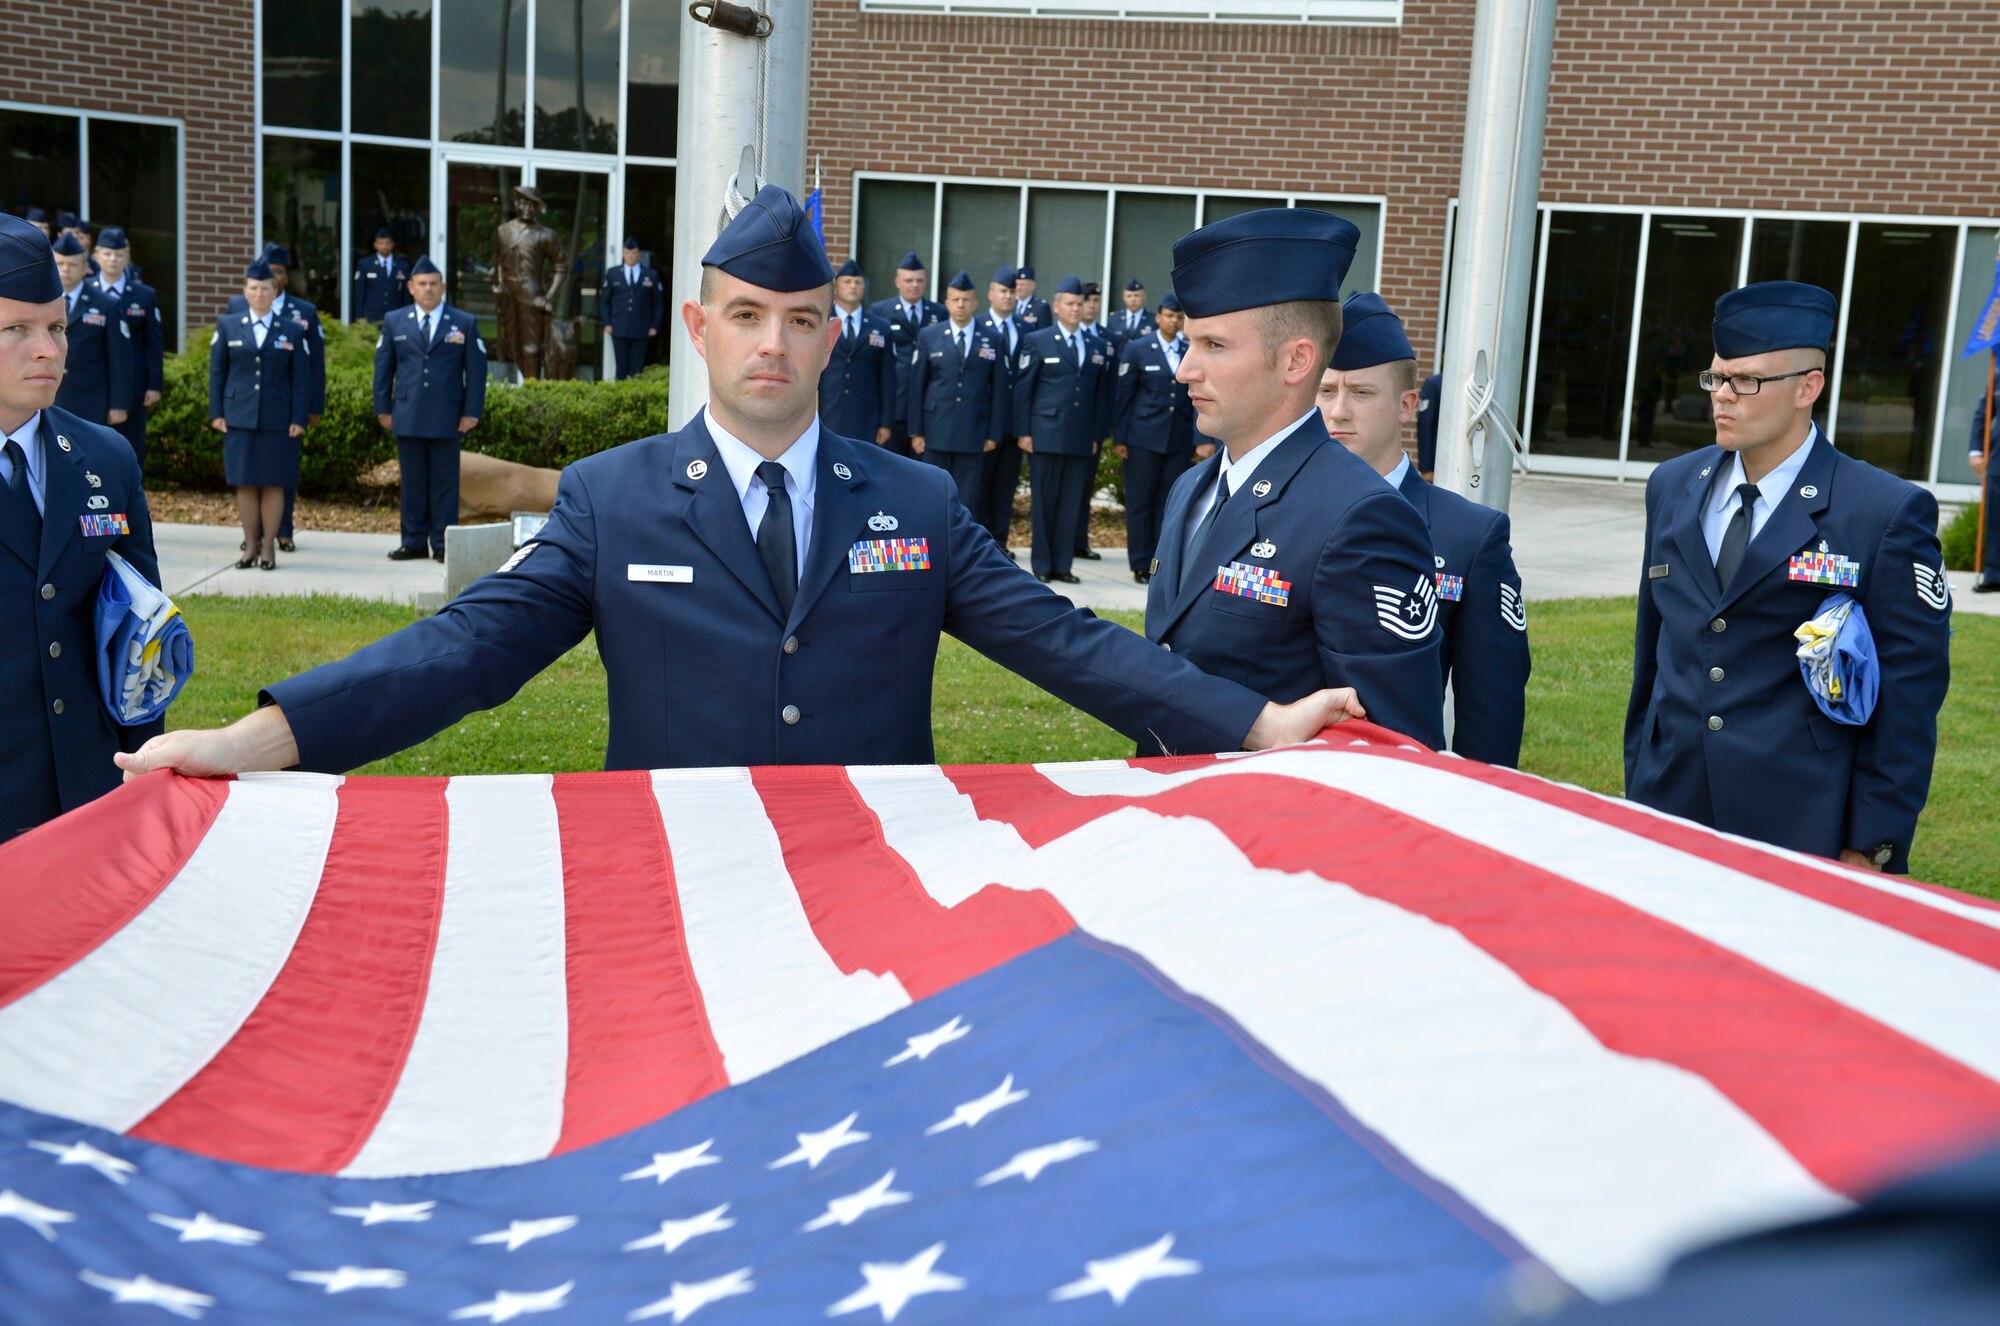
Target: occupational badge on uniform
[(1450, 588), (1824, 568), (889, 555), (518, 558), (104, 527), (1809, 492), (841, 471), (881, 524), (92, 479), (696, 469), (1513, 610), (1933, 590), (98, 501), (1264, 548), (1407, 614), (1261, 488), (1253, 582)]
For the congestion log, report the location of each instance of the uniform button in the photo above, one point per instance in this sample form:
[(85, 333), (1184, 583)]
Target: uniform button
[(1715, 674), (48, 591), (55, 649), (790, 714), (1715, 722), (1718, 625), (791, 644), (57, 706)]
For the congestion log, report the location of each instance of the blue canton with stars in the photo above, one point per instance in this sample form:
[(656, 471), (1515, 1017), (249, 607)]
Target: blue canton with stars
[(1067, 1138)]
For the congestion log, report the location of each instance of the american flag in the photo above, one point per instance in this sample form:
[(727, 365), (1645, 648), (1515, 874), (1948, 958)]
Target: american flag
[(1349, 1032)]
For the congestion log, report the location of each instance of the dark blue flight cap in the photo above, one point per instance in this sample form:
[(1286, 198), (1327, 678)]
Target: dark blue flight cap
[(1370, 334), (1135, 284), (910, 263), (37, 214), (960, 282), (258, 270), (1069, 285), (277, 255), (771, 245), (68, 221), (425, 267), (1274, 255), (113, 237), (382, 232), (632, 242), (850, 268), (1171, 302), (1025, 274), (1006, 276), (68, 245), (1774, 315), (27, 268)]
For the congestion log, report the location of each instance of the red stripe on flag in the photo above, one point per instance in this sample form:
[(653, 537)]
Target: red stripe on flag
[(639, 1043), (60, 904), (867, 907), (304, 1081), (1856, 1100)]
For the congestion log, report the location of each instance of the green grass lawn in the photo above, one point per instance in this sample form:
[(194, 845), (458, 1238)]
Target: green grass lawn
[(985, 714)]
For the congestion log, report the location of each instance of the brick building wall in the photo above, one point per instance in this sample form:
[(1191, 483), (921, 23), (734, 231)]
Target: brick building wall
[(192, 60)]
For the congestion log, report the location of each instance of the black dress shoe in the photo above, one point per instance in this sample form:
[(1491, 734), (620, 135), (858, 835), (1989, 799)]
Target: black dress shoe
[(1986, 587), (438, 556), (1143, 577), (407, 554), (1066, 578), (1090, 554), (286, 545)]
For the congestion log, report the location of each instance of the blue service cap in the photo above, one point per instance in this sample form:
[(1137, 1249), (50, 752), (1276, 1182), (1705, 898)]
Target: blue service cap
[(1006, 275), (27, 267), (1171, 302), (632, 242), (36, 214), (113, 237), (1135, 284), (1069, 285), (277, 254), (68, 245), (962, 281), (1837, 657), (910, 263), (1025, 274), (1274, 255), (850, 268), (772, 245), (425, 267), (1370, 334), (68, 221), (1774, 315), (258, 270), (382, 232)]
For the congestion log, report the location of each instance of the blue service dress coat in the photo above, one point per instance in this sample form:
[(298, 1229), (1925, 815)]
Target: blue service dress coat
[(97, 377), (1721, 728), (1034, 313), (632, 308), (1318, 574), (139, 304), (1150, 409), (1062, 399), (1120, 334), (857, 388), (903, 331), (648, 546), (1428, 396), (379, 291), (426, 388), (958, 401), (1483, 618), (56, 738), (304, 315), (259, 394)]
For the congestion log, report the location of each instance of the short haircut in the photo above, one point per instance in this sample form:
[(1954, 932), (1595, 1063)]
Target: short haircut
[(1316, 319), (1406, 375)]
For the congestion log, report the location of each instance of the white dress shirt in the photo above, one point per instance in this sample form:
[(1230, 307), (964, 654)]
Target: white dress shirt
[(1171, 348), (1005, 327), (1394, 478), (261, 326), (1771, 490), (850, 320), (29, 435), (1240, 471), (800, 461)]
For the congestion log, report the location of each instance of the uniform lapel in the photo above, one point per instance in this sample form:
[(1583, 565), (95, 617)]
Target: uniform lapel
[(1173, 529), (1236, 528), (1792, 524), (716, 514), (1418, 492), (63, 492), (839, 508), (1686, 528)]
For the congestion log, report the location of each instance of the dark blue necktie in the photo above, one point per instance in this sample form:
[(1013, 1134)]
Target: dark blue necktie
[(777, 543), (1736, 538), (19, 497)]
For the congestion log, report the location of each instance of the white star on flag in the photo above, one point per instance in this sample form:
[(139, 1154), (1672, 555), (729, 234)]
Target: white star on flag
[(205, 1228), (1119, 1276), (344, 1278), (969, 1114), (666, 1164), (42, 1219), (846, 1210), (1029, 1164), (686, 1300), (815, 1147), (522, 1232), (383, 1213), (920, 1046), (145, 1289), (507, 1304), (673, 1233), (115, 1168), (891, 1285)]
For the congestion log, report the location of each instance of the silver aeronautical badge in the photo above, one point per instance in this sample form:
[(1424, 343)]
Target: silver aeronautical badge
[(93, 480), (881, 523), (697, 468), (98, 501), (1260, 488), (1809, 491), (1822, 545), (841, 471), (62, 441), (1266, 548)]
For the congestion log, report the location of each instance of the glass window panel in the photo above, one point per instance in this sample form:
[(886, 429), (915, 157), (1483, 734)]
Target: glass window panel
[(649, 216), (1965, 395), (1894, 346), (482, 71), (391, 48), (578, 203), (1585, 328), (1691, 261), (135, 183), (1220, 206), (39, 162), (1367, 218), (896, 217), (302, 199), (301, 63), (1065, 236), (392, 187), (576, 75), (982, 227), (652, 87), (473, 211), (1142, 244)]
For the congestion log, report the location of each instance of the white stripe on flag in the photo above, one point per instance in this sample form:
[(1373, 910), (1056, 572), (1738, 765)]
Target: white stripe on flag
[(110, 1039), (484, 1081), (1604, 1165), (771, 991)]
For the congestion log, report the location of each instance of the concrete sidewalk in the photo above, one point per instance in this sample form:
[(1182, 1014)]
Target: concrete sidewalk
[(1573, 538)]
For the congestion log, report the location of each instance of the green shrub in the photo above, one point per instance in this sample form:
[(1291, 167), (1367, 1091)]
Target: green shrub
[(1960, 536)]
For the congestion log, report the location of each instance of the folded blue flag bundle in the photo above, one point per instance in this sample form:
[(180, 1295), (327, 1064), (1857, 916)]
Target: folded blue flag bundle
[(1837, 655), (144, 651)]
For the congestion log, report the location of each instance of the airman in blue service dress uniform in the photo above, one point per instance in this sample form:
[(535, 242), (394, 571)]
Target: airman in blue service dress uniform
[(1093, 327), (958, 394), (1746, 540), (380, 281), (1001, 478), (260, 386), (430, 389), (304, 314), (1134, 319), (1367, 396), (763, 591), (1285, 562), (632, 306), (69, 493), (1061, 409), (1985, 433), (1152, 426), (139, 304), (907, 314), (1031, 310), (98, 377), (857, 392), (1428, 396)]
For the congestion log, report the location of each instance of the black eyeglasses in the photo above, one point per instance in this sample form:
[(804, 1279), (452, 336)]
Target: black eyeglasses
[(1745, 384)]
